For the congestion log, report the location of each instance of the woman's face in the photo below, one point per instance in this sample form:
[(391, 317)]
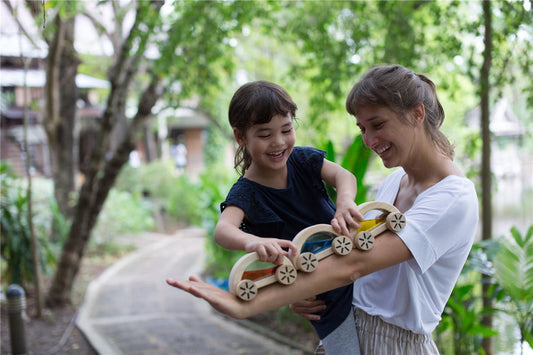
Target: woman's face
[(271, 143), (387, 134)]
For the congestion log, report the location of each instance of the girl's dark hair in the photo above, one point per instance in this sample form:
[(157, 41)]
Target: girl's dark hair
[(256, 103), (400, 89)]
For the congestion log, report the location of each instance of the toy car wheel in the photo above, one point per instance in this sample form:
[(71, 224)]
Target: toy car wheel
[(307, 262), (286, 274), (395, 221), (364, 240), (246, 290), (342, 245)]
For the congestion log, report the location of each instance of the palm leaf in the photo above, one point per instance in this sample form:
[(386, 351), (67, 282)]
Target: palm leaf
[(514, 266)]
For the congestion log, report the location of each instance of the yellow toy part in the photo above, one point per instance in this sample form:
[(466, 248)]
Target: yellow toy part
[(245, 283)]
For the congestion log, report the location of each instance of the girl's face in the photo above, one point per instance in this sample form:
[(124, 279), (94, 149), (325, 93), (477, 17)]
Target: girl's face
[(269, 144), (387, 134)]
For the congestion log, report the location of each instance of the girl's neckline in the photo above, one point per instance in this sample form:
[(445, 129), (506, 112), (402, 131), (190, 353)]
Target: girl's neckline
[(287, 185)]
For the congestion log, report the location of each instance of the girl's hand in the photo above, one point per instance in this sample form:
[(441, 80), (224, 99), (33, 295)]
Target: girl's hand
[(220, 300), (308, 308), (347, 217), (270, 249)]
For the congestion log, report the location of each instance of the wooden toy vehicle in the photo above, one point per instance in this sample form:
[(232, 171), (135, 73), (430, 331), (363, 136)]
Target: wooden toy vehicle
[(245, 283), (320, 241), (391, 219), (316, 243)]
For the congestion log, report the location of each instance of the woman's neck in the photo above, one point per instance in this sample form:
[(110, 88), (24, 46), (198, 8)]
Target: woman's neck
[(421, 176)]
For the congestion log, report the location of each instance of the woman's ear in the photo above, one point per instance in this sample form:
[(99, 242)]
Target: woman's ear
[(419, 114), (239, 137)]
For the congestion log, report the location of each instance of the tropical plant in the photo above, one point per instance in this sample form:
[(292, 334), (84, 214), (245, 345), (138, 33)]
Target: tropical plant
[(15, 232), (219, 261), (355, 160), (16, 244), (463, 312), (513, 267)]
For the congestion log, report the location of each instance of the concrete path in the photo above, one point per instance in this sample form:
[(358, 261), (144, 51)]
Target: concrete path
[(130, 309)]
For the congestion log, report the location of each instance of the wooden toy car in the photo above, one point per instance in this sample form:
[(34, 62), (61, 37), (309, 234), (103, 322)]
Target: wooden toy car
[(320, 241), (391, 219), (316, 243), (245, 283)]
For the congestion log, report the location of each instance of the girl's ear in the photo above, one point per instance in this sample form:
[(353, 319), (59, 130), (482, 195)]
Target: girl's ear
[(239, 137)]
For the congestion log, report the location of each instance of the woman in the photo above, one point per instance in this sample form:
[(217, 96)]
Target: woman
[(403, 283)]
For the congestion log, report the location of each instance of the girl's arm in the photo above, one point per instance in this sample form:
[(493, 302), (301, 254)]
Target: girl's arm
[(228, 235), (334, 271), (347, 215)]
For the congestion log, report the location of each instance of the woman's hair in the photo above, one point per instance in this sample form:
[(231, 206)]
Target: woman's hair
[(401, 90), (256, 103)]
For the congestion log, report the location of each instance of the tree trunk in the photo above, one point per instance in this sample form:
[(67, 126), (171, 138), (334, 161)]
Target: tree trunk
[(486, 183), (91, 200), (60, 119)]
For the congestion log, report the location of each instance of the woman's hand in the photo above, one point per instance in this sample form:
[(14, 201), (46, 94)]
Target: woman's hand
[(220, 300), (270, 249), (308, 308)]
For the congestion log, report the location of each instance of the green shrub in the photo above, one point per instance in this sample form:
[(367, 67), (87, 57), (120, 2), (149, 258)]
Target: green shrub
[(16, 250), (215, 186), (174, 195), (123, 212)]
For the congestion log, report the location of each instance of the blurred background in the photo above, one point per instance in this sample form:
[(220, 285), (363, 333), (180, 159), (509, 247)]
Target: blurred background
[(114, 123)]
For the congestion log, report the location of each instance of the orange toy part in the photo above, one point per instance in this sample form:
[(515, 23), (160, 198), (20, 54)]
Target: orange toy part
[(257, 274)]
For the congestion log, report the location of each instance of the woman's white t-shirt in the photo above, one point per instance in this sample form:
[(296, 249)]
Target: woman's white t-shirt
[(440, 230)]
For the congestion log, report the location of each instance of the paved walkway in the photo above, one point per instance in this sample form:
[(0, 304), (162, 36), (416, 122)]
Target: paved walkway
[(130, 309)]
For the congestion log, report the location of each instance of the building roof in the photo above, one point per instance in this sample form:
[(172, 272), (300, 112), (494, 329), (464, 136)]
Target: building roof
[(36, 78), (503, 121), (186, 118)]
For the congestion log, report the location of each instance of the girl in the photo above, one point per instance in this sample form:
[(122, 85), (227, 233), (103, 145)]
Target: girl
[(403, 283), (281, 191)]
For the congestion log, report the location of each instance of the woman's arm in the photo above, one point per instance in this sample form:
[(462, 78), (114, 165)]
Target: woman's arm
[(332, 272)]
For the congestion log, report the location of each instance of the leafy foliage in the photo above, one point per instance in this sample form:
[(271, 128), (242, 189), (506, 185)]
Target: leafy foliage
[(514, 272), (215, 185), (462, 314), (15, 232), (355, 160), (123, 212)]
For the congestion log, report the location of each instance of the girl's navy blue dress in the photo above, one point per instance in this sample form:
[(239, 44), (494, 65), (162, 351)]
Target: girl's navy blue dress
[(283, 213)]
